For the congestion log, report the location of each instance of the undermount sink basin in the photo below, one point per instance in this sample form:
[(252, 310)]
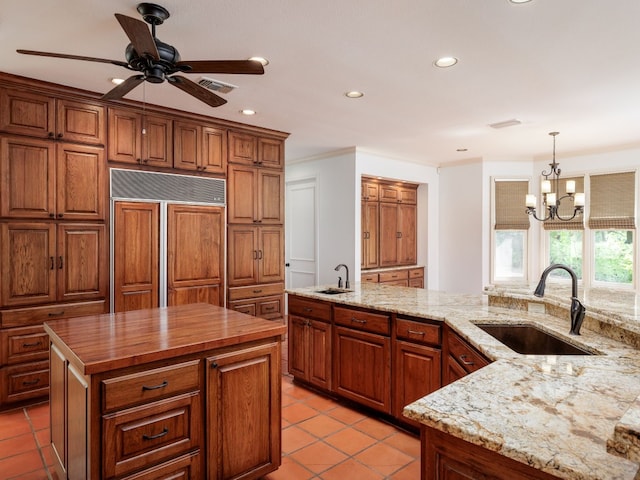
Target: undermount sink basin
[(529, 340), (333, 291)]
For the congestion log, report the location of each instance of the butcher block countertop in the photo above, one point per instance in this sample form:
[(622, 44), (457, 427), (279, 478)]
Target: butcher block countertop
[(105, 342), (575, 417)]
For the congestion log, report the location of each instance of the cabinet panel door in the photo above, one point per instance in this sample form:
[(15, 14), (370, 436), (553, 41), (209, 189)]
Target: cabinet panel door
[(244, 388), (298, 347), (270, 152), (407, 228), (187, 145), (82, 262), (157, 141), (271, 254), (243, 255), (320, 354), (27, 174), (271, 197), (369, 232), (27, 113), (58, 420), (243, 194), (388, 234), (80, 122), (80, 182), (125, 131), (136, 256), (416, 374), (243, 148), (28, 263), (195, 264), (214, 150)]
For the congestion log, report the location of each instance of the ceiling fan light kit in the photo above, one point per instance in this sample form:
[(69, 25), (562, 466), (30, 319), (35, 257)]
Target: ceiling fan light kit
[(157, 61)]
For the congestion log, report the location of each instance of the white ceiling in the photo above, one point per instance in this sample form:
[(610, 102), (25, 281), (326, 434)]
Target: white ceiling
[(566, 65)]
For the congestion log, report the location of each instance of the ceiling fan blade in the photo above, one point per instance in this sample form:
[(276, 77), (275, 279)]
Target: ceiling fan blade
[(73, 57), (139, 35), (124, 88), (248, 67), (196, 90)]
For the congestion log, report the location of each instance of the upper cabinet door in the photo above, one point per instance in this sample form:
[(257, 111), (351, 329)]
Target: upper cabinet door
[(80, 122), (157, 141), (27, 172), (26, 113), (214, 150), (188, 145), (243, 148), (125, 132), (270, 197), (81, 182), (270, 153)]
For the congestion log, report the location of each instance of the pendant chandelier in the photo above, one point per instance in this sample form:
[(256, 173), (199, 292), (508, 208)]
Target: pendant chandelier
[(550, 196)]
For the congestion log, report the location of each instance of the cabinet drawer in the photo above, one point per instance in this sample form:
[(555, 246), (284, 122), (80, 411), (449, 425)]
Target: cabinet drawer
[(418, 332), (366, 321), (23, 344), (241, 293), (150, 385), (181, 468), (309, 308), (139, 437), (369, 277), (271, 307), (416, 282), (394, 276), (24, 381), (18, 317), (464, 354), (416, 272)]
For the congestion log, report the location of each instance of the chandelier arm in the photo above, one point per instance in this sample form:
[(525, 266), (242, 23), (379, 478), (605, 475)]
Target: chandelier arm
[(532, 211)]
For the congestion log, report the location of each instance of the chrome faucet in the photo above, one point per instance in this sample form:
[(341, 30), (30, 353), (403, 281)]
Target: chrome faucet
[(577, 309), (346, 284)]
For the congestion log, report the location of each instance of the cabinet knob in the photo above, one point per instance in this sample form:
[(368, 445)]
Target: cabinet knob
[(52, 215), (50, 135), (214, 365), (60, 135), (60, 215)]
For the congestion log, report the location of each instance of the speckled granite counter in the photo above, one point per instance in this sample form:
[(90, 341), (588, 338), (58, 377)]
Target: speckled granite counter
[(560, 414)]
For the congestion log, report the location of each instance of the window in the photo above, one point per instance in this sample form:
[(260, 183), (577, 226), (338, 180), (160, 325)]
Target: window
[(511, 230)]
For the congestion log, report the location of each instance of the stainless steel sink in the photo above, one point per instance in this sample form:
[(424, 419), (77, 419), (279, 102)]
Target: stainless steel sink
[(529, 340), (333, 291)]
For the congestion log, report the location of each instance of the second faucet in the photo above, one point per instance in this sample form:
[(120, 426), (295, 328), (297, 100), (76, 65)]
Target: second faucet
[(346, 285)]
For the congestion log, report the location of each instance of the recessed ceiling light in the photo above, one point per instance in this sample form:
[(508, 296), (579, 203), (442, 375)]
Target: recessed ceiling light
[(519, 1), (116, 81), (445, 62), (262, 60), (461, 149), (354, 94), (247, 111)]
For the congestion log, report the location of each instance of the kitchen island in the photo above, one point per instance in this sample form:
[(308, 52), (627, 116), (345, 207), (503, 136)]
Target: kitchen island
[(189, 391), (522, 416)]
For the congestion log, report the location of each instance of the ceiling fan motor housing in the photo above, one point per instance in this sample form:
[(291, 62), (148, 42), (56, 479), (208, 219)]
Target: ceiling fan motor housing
[(154, 70)]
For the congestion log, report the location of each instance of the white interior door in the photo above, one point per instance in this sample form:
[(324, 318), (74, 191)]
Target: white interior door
[(301, 233)]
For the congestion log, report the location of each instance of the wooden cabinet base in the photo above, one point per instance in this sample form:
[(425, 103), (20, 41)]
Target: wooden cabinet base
[(445, 457)]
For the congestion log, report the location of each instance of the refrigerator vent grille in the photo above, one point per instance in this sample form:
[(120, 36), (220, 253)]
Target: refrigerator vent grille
[(139, 185)]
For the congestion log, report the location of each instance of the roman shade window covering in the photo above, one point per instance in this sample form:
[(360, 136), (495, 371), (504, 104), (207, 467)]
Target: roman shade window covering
[(613, 200), (566, 207), (511, 213)]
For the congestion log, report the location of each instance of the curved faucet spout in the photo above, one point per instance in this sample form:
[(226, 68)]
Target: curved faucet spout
[(346, 283), (577, 309)]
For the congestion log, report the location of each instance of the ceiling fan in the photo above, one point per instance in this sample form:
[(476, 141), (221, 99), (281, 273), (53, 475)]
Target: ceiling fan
[(158, 61)]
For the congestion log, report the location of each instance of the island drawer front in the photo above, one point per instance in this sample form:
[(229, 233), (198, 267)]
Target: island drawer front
[(464, 354), (19, 317), (138, 437), (309, 308), (418, 332), (136, 388), (242, 293), (394, 275), (23, 344), (365, 321), (181, 468), (416, 273)]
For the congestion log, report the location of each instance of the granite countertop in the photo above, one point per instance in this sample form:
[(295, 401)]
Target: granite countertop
[(575, 417)]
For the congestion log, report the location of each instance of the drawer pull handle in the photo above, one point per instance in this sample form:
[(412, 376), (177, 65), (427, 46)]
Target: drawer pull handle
[(34, 344), (415, 332), (31, 382), (268, 309), (155, 387), (357, 320), (259, 290), (463, 359), (56, 314), (307, 309), (157, 435)]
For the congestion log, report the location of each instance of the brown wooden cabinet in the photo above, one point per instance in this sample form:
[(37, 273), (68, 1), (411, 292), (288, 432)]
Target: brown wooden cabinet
[(255, 195), (248, 149), (265, 301), (44, 116), (460, 358), (144, 139), (362, 357), (370, 229), (310, 341), (199, 147), (42, 180), (256, 255), (370, 190), (417, 362), (397, 234), (233, 408)]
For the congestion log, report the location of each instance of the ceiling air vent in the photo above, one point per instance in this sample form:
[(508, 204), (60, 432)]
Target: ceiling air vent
[(506, 123), (216, 85)]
